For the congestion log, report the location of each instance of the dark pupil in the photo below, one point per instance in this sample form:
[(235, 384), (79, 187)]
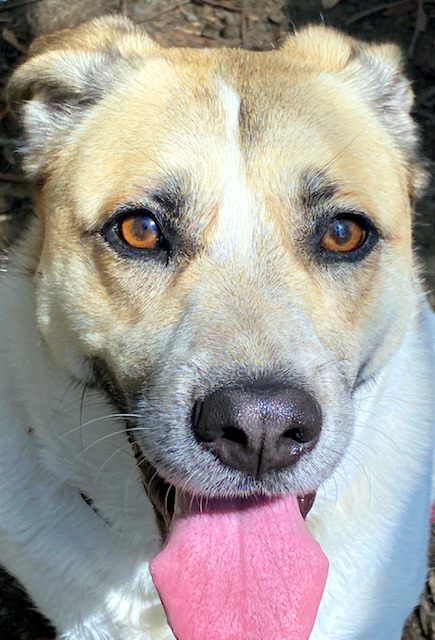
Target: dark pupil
[(341, 230), (144, 227)]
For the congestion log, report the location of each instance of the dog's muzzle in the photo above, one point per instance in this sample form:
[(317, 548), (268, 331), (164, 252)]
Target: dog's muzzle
[(253, 428)]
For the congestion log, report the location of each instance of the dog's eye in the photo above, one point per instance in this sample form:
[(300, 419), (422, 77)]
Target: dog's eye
[(136, 233), (140, 231), (343, 235)]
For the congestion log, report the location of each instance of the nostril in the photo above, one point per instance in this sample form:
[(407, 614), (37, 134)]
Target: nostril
[(235, 435), (297, 434), (256, 429), (196, 412)]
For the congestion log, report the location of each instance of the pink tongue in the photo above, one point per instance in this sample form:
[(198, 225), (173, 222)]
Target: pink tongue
[(241, 570)]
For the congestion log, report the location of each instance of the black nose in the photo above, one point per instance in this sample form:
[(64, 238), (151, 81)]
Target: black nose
[(258, 428)]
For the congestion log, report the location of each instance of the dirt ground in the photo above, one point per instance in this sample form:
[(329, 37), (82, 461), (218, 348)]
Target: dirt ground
[(251, 24)]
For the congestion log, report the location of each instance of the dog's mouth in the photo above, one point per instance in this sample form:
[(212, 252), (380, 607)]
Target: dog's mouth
[(241, 568), (235, 568), (162, 495)]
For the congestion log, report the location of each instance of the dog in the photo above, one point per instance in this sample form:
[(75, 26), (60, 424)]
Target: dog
[(216, 298)]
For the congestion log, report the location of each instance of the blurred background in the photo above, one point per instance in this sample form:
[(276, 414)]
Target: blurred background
[(250, 24)]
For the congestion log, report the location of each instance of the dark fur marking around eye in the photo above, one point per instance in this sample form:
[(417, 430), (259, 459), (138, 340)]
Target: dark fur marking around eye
[(317, 196), (171, 201), (170, 198), (168, 203), (316, 190)]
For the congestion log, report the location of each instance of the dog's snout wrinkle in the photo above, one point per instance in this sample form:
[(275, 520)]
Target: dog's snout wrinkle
[(258, 428)]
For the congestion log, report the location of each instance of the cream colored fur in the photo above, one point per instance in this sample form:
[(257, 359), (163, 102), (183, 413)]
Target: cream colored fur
[(109, 116)]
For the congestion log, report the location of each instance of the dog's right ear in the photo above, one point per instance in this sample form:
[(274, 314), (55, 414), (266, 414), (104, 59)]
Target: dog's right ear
[(65, 74)]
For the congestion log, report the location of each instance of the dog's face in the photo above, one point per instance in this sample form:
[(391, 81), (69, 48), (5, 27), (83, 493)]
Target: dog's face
[(216, 220)]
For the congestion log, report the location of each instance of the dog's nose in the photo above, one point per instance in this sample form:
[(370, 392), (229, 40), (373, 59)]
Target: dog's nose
[(258, 428)]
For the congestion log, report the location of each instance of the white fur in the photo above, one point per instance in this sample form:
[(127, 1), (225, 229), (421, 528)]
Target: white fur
[(236, 219), (86, 568), (92, 579), (371, 516)]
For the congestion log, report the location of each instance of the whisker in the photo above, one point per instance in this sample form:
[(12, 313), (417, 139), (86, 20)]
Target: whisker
[(323, 490), (110, 458), (359, 464), (89, 394), (346, 147), (130, 477), (147, 157), (191, 500), (110, 416), (82, 400), (365, 426), (106, 437), (153, 477), (136, 469), (387, 396), (372, 449), (65, 393)]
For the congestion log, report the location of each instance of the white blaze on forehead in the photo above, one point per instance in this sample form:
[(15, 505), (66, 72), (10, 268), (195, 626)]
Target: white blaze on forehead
[(231, 104), (233, 237)]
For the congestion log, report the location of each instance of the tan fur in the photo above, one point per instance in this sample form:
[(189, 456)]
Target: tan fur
[(306, 107), (259, 151)]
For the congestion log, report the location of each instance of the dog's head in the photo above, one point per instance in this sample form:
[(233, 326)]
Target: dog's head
[(223, 240)]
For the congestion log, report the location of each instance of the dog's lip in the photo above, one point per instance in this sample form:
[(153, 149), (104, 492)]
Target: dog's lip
[(162, 494), (306, 501), (164, 508)]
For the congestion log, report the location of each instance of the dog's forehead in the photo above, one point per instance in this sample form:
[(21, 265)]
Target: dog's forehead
[(207, 114)]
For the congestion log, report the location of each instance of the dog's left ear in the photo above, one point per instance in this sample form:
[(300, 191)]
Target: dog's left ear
[(375, 74), (376, 70), (66, 73)]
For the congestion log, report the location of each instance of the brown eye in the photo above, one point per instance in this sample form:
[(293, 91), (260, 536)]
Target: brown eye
[(344, 235), (140, 231)]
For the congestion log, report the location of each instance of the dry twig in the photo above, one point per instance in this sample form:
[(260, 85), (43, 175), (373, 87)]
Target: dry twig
[(219, 5), (420, 25), (376, 9), (174, 7), (382, 7)]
